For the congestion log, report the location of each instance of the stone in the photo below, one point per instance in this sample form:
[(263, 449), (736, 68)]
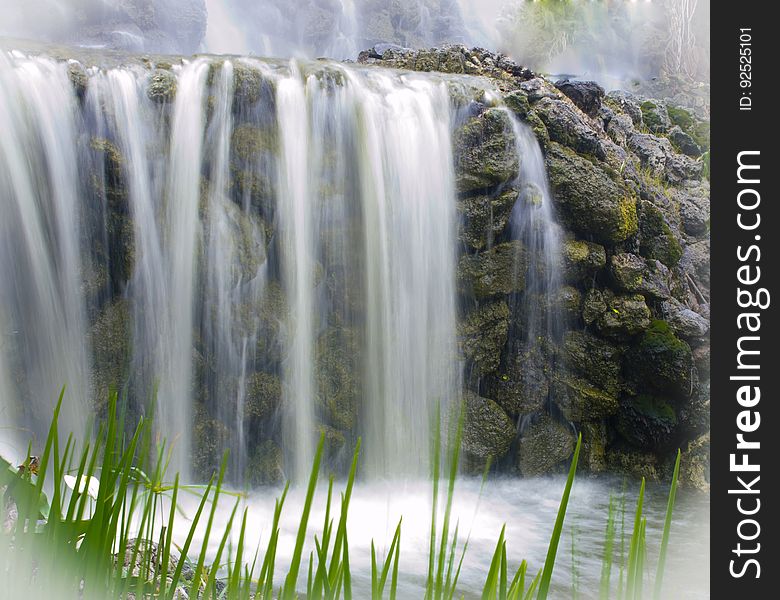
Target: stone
[(567, 126), (633, 462), (684, 142), (694, 208), (685, 322), (634, 274), (657, 239), (651, 150), (488, 432), (588, 200), (579, 400), (661, 362), (587, 95), (655, 117), (263, 396), (695, 464), (495, 272), (596, 360), (520, 386), (485, 152), (266, 465), (582, 260), (619, 317), (485, 217), (647, 422), (626, 103), (482, 336), (161, 87), (545, 443)]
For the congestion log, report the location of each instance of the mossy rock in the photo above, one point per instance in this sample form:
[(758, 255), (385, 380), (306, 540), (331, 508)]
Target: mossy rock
[(695, 464), (545, 444), (619, 317), (589, 201), (485, 217), (582, 260), (635, 463), (580, 400), (485, 152), (595, 359), (495, 272), (263, 396), (337, 359), (110, 338), (634, 274), (161, 87), (647, 422), (661, 362), (209, 440), (248, 86), (593, 452), (482, 336), (569, 127), (655, 116), (520, 385), (266, 465), (657, 239), (517, 102), (567, 302), (249, 142), (488, 432)]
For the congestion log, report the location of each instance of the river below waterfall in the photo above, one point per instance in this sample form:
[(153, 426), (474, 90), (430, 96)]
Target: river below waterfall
[(528, 507)]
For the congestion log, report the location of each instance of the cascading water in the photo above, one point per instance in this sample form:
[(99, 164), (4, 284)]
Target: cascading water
[(270, 223), (533, 223), (44, 337)]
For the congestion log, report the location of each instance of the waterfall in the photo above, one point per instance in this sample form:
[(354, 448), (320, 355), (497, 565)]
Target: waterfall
[(533, 223), (44, 340), (264, 256)]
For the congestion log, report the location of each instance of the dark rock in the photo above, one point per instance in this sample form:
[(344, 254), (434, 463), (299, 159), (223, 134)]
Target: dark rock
[(545, 443), (684, 322), (647, 422), (482, 336), (582, 260), (487, 432), (684, 142), (587, 95), (521, 387), (266, 465), (626, 103), (594, 359), (655, 117), (495, 272), (589, 201), (485, 152), (661, 362), (485, 217), (619, 317), (695, 464), (569, 127), (635, 274)]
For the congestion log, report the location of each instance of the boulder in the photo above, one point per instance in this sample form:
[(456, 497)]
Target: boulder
[(655, 117), (647, 422), (545, 443), (695, 464), (588, 200), (266, 465), (694, 207), (684, 142), (161, 87), (661, 362), (482, 336), (637, 275), (485, 152), (520, 386), (685, 322), (587, 95), (580, 400), (582, 260), (657, 239), (625, 103), (495, 272), (593, 359), (485, 217), (487, 432), (569, 127), (263, 396), (619, 317)]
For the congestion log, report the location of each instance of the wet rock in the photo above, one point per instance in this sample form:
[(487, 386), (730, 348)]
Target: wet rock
[(587, 95), (657, 239), (634, 274), (337, 366), (78, 78), (661, 362), (538, 88), (517, 102), (619, 317), (684, 322), (694, 203), (544, 444), (680, 168), (487, 432), (263, 396), (588, 200), (521, 386), (651, 150), (495, 272), (582, 260), (594, 359), (569, 127), (594, 446), (696, 262), (161, 87), (485, 152), (266, 465), (647, 422), (485, 217), (482, 335), (567, 301), (655, 117), (684, 142), (633, 462), (580, 400), (626, 103), (110, 337), (695, 464), (209, 440), (620, 128)]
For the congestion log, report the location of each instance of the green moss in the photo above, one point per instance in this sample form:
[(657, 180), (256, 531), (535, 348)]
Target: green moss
[(681, 117), (263, 396), (661, 362)]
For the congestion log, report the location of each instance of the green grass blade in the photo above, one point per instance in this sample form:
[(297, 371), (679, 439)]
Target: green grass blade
[(659, 575), (549, 563)]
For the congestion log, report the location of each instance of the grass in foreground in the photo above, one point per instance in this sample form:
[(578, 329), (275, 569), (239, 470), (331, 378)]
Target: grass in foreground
[(73, 543)]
